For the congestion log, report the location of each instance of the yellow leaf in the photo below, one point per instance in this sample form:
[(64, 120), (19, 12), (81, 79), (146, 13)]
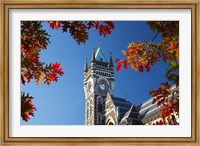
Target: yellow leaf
[(131, 45), (143, 60), (39, 81), (124, 52), (133, 55), (167, 38), (177, 53), (132, 64), (169, 118)]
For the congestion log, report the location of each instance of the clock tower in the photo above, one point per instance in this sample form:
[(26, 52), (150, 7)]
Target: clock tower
[(98, 82)]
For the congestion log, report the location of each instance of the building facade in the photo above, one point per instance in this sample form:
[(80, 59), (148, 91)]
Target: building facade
[(102, 107)]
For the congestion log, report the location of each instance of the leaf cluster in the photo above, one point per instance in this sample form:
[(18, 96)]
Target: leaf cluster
[(143, 55), (167, 99), (27, 107), (79, 29), (35, 39)]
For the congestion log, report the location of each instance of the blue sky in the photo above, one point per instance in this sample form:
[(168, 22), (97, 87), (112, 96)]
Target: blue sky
[(63, 102)]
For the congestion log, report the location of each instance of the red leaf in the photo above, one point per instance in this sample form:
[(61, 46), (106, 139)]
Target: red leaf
[(147, 66), (116, 60), (126, 63), (54, 24), (152, 92), (160, 96), (119, 66), (140, 68), (22, 79)]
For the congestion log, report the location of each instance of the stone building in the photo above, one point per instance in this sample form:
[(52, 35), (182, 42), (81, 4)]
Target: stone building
[(102, 107), (150, 113)]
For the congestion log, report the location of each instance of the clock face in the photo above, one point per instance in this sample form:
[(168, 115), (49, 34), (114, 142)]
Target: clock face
[(102, 86)]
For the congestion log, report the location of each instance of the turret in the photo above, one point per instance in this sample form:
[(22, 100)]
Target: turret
[(111, 62), (86, 66), (93, 56)]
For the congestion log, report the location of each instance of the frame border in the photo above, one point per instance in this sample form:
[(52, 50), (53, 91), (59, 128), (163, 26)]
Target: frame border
[(99, 4)]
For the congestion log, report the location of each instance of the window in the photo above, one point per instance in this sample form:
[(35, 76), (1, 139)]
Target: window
[(110, 123), (99, 107)]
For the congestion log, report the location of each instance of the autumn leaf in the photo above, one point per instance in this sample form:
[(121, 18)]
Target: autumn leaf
[(124, 52), (147, 66), (34, 38), (142, 60), (140, 68), (125, 63), (116, 60), (131, 45), (27, 107), (152, 92), (172, 44), (119, 65), (54, 24)]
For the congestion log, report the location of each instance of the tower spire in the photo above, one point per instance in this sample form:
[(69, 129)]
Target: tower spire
[(93, 55), (86, 66), (99, 56), (111, 61)]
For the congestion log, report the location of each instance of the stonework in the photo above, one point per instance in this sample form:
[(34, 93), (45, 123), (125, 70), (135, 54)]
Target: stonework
[(102, 107)]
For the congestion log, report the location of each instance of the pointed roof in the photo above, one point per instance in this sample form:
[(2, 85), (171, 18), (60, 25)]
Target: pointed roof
[(131, 113), (99, 55), (127, 114), (111, 61), (86, 66), (123, 104), (93, 55)]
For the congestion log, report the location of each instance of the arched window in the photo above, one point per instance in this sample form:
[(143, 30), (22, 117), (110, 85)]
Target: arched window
[(110, 120), (110, 123), (99, 106), (100, 119)]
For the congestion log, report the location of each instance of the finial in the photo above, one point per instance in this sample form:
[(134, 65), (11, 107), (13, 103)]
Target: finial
[(86, 66), (111, 61), (93, 55)]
